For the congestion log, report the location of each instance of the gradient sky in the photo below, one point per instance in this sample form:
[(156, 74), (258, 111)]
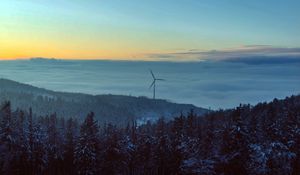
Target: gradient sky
[(131, 29)]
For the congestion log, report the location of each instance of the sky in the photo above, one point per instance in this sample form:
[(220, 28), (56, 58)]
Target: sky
[(142, 29)]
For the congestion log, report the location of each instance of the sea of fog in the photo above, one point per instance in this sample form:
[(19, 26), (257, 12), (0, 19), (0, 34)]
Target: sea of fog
[(206, 84)]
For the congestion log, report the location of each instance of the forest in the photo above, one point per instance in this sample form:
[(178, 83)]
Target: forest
[(115, 109), (248, 140)]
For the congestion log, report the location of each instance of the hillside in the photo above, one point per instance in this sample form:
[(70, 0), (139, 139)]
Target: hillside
[(117, 109), (248, 140)]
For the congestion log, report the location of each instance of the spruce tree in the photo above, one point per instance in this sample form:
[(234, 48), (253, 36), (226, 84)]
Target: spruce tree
[(235, 146), (7, 139), (86, 151), (69, 147)]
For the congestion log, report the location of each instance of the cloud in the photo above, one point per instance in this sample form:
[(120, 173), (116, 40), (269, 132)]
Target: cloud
[(251, 54), (265, 60)]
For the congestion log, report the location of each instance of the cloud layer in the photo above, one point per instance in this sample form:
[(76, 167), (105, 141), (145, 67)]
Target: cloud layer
[(252, 54), (216, 84)]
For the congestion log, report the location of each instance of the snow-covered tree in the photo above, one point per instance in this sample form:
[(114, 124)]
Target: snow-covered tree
[(235, 148), (86, 151), (7, 139), (69, 147), (114, 152)]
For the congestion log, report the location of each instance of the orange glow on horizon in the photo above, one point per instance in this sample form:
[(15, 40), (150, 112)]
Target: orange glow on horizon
[(23, 51)]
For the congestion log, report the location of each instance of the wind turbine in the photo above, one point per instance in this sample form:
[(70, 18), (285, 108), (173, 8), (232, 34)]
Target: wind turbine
[(154, 82)]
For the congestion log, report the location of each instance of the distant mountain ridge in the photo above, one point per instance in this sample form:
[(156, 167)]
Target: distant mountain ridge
[(117, 109)]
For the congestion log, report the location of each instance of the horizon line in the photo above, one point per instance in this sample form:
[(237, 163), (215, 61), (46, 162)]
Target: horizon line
[(96, 59)]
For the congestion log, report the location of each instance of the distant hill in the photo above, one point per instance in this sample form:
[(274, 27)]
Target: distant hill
[(117, 109)]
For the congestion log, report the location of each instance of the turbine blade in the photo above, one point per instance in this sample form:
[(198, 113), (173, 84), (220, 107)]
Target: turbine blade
[(152, 74), (152, 84)]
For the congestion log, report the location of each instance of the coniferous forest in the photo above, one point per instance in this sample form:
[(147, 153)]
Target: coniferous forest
[(249, 140)]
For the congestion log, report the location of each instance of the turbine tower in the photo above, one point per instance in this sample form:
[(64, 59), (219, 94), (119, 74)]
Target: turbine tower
[(154, 82)]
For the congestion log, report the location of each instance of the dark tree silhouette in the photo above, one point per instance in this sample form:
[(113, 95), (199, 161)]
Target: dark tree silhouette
[(259, 140)]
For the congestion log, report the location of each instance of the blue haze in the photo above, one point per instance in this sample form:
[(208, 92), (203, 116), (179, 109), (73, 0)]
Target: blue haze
[(206, 84)]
